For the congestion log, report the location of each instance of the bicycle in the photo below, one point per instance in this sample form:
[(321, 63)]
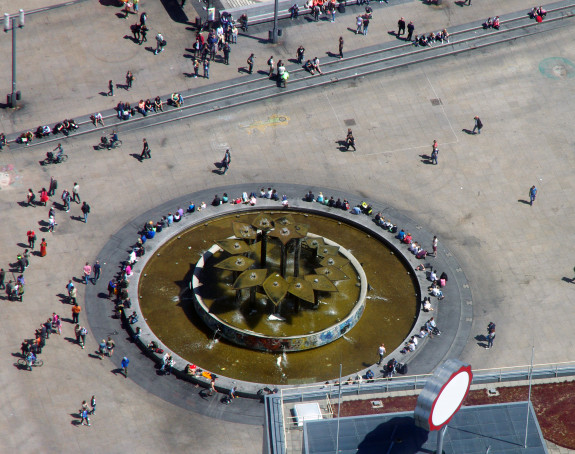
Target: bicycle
[(51, 159), (24, 363), (108, 144)]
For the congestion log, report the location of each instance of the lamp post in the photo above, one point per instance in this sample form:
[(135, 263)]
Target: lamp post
[(17, 22), (275, 32)]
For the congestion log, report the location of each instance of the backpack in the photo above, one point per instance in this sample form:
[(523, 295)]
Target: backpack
[(83, 332), (164, 43), (65, 195)]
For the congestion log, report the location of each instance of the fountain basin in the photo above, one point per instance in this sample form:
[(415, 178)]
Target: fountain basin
[(252, 339)]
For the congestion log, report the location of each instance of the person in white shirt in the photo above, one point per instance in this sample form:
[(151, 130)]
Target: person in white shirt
[(381, 352)]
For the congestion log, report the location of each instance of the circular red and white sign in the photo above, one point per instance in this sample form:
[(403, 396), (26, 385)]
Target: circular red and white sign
[(450, 397), (443, 395)]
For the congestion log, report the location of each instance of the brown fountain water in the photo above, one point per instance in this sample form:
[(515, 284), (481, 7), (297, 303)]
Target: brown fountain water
[(167, 304)]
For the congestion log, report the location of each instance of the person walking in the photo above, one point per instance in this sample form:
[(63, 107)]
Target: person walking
[(381, 352), (93, 405), (136, 28), (212, 390), (400, 27), (76, 313), (43, 248), (66, 199), (110, 88), (532, 194), (129, 80), (124, 365), (85, 211), (146, 154), (434, 152), (96, 268), (2, 277), (227, 51), (271, 66), (51, 223), (341, 47), (84, 414), (359, 24), (73, 295), (226, 161), (110, 346), (365, 24), (250, 62), (478, 125), (490, 335), (31, 238), (83, 332), (300, 54), (349, 140), (207, 68), (76, 193), (159, 43), (87, 271), (410, 30), (434, 246), (31, 198), (143, 34), (53, 186)]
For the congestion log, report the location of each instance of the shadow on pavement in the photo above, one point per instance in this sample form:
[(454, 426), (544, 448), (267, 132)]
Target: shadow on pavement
[(175, 11)]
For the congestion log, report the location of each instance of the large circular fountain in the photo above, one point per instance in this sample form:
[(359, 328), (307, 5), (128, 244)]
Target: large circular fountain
[(208, 295)]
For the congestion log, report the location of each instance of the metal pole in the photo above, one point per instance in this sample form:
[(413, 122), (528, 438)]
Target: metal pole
[(338, 410), (440, 435), (275, 32), (529, 398), (13, 97)]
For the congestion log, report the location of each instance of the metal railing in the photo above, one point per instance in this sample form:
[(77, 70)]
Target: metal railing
[(405, 383)]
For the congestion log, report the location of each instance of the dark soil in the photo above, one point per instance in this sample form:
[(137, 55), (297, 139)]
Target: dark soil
[(553, 403)]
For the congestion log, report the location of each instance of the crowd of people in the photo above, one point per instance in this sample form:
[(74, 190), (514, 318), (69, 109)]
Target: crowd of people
[(31, 348)]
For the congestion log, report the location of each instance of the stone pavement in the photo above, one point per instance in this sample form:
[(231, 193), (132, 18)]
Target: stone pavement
[(510, 252), (92, 43)]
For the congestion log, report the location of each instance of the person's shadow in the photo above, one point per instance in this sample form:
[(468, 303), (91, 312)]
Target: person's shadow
[(131, 38), (426, 159), (342, 145), (460, 3), (525, 202), (481, 340), (136, 156), (468, 131), (77, 419)]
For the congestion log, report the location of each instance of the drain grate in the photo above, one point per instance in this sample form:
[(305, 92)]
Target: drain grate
[(436, 101), (350, 122)]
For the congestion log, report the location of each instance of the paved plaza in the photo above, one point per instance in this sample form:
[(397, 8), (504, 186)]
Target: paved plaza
[(515, 256)]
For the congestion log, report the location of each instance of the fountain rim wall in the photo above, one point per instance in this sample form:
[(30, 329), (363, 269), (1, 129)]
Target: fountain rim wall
[(250, 389), (257, 341)]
